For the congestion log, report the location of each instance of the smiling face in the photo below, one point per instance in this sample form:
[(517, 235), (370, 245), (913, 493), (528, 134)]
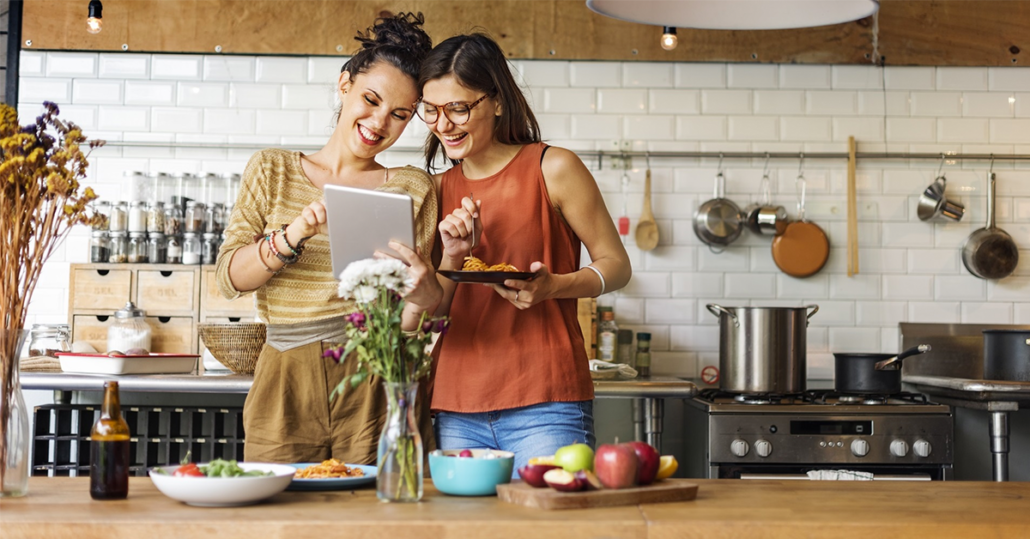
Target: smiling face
[(472, 137), (375, 108)]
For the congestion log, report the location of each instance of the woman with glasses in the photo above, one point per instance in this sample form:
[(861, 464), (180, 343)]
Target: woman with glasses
[(511, 373), (277, 248)]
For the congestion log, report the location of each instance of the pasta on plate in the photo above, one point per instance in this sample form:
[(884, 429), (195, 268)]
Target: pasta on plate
[(474, 264), (328, 469)]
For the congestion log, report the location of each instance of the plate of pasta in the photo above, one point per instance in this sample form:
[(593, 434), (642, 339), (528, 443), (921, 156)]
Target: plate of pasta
[(475, 270), (331, 475)]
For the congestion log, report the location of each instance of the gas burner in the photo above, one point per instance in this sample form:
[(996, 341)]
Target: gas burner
[(871, 400), (760, 398), (833, 397)]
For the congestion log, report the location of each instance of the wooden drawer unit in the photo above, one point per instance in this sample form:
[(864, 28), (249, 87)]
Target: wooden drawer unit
[(167, 292), (213, 305), (91, 329), (98, 289), (173, 334)]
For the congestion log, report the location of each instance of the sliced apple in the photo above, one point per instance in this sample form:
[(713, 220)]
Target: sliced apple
[(533, 474), (589, 479), (667, 466), (563, 481)]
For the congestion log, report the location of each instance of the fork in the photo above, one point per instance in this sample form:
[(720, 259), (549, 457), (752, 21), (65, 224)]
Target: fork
[(473, 246)]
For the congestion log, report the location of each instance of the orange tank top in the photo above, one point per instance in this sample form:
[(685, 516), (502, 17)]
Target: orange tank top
[(494, 356)]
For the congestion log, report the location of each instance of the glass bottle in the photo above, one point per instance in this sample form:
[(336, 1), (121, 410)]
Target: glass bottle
[(173, 220), (157, 249), (47, 339), (103, 207), (137, 216), (137, 251), (14, 479), (136, 185), (213, 218), (643, 354), (119, 253), (156, 217), (209, 248), (626, 354), (119, 218), (191, 248), (129, 331), (399, 457), (100, 247), (608, 333), (164, 187), (194, 217), (109, 449), (173, 250)]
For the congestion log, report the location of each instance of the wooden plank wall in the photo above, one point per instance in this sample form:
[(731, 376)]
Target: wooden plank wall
[(911, 32)]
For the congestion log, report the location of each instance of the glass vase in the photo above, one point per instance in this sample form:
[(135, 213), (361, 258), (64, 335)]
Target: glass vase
[(14, 451), (399, 463)]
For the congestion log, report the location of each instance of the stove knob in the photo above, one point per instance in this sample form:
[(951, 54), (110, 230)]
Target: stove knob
[(739, 447), (899, 448), (922, 448), (860, 448), (763, 448)]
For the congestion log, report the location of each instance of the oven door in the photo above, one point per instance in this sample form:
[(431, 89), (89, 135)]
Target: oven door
[(778, 472)]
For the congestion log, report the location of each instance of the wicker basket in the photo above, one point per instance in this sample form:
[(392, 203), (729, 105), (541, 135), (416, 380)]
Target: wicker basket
[(235, 345)]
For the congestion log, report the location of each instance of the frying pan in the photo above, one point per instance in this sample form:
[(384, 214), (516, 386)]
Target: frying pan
[(803, 248), (989, 252), (718, 222)]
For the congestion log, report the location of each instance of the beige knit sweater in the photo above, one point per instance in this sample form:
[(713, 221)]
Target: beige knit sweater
[(274, 191)]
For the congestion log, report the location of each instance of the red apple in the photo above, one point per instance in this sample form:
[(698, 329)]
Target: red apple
[(648, 460), (533, 474), (589, 479), (465, 453), (563, 481), (616, 465)]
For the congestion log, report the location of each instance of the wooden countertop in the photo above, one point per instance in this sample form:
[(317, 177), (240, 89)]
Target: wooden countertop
[(60, 508)]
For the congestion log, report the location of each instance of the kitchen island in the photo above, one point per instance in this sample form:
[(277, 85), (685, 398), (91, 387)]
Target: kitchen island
[(61, 508)]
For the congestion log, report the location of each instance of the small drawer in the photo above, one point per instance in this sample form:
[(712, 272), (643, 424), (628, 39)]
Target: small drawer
[(212, 302), (172, 334), (91, 329), (100, 289), (171, 292)]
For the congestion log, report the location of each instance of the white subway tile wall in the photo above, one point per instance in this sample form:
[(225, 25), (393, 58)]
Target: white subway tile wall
[(910, 270)]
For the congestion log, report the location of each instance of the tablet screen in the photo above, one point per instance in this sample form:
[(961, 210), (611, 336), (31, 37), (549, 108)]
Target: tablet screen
[(362, 221)]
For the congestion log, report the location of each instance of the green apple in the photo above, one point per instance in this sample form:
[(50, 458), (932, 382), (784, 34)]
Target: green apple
[(575, 457)]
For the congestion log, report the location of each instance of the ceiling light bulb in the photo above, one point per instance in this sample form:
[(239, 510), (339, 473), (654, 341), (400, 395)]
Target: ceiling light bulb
[(669, 39), (94, 19)]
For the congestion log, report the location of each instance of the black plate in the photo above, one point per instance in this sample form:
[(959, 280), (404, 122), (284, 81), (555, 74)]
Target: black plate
[(486, 276)]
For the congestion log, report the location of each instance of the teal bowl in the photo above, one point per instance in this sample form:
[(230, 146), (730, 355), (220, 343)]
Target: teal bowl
[(470, 476)]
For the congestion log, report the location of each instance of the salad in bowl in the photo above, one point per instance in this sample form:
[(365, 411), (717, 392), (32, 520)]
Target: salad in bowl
[(222, 483)]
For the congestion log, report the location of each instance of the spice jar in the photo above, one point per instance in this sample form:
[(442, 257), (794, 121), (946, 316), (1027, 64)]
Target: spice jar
[(194, 217), (156, 217), (129, 331), (100, 247), (644, 354), (102, 207), (48, 339), (209, 248), (173, 220), (139, 185), (191, 248), (213, 219), (157, 249), (118, 219), (173, 250), (137, 248), (119, 253), (137, 216)]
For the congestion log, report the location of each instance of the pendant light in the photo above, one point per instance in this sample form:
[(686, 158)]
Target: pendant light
[(669, 39), (95, 18), (735, 14)]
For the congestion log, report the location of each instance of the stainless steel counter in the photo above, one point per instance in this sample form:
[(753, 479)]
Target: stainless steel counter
[(648, 408)]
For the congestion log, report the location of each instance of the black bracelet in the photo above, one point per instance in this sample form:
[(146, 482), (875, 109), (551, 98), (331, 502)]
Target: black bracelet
[(271, 246), (296, 250)]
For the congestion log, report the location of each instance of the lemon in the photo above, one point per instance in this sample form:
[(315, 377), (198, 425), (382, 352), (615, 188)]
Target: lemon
[(542, 460), (667, 465)]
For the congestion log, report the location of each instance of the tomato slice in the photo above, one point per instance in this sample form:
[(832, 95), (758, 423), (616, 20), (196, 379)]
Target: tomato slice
[(188, 470)]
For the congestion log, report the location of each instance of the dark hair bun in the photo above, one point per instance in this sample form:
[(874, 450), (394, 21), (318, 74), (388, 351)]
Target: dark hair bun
[(399, 40)]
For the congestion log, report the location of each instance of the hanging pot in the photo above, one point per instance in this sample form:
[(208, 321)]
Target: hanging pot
[(803, 248), (765, 219), (989, 252), (718, 222), (871, 374)]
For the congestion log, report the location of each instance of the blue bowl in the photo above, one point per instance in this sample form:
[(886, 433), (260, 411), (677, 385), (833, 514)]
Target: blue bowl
[(470, 476)]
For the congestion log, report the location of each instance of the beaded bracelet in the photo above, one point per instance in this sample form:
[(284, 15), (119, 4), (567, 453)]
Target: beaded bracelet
[(275, 250), (296, 250), (265, 264)]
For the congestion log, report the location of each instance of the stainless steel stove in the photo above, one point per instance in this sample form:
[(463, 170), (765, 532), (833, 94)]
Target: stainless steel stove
[(902, 437)]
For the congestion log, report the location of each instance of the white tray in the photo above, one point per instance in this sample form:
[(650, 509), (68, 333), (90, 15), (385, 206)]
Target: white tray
[(149, 364)]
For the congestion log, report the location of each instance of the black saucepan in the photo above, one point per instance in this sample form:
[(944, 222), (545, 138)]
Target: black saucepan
[(1007, 354), (871, 374)]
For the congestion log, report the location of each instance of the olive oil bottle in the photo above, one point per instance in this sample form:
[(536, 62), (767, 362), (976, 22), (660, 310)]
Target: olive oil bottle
[(109, 450)]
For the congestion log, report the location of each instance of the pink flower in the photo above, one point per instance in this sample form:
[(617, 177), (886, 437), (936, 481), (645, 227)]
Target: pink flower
[(334, 352), (357, 319)]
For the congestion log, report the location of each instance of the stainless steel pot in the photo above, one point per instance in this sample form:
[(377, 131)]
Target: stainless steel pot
[(762, 349)]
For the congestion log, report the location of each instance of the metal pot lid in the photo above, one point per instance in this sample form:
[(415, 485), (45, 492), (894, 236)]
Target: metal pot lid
[(129, 311)]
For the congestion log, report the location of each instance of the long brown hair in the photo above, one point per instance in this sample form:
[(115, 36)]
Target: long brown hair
[(479, 64)]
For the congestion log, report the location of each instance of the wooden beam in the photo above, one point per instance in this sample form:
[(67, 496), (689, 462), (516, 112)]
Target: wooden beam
[(911, 32)]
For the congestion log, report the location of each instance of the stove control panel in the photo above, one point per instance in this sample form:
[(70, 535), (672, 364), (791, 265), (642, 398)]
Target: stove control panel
[(891, 438)]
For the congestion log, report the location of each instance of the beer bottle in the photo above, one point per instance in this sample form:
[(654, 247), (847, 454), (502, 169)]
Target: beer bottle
[(109, 450)]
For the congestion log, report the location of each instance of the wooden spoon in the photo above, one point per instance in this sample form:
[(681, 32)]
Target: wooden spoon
[(647, 228)]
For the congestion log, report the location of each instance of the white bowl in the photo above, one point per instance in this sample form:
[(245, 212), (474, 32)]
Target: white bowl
[(224, 491)]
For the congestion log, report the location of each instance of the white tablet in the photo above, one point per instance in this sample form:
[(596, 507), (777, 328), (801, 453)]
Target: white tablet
[(362, 221)]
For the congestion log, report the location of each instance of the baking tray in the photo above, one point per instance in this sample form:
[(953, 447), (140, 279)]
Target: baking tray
[(124, 364)]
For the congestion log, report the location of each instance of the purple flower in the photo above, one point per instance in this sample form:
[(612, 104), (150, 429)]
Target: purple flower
[(334, 352), (427, 326), (441, 326), (357, 319), (51, 107)]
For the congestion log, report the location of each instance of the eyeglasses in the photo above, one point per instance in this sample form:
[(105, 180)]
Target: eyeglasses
[(457, 112)]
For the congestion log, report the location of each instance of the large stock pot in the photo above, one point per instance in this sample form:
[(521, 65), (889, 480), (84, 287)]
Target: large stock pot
[(762, 349)]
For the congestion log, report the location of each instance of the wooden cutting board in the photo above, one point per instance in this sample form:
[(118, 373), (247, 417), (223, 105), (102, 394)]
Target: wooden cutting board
[(670, 490)]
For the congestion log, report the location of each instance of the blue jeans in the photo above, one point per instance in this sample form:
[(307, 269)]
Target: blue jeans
[(530, 431)]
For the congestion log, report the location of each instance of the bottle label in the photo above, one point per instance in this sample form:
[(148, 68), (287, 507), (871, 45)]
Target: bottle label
[(606, 348)]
